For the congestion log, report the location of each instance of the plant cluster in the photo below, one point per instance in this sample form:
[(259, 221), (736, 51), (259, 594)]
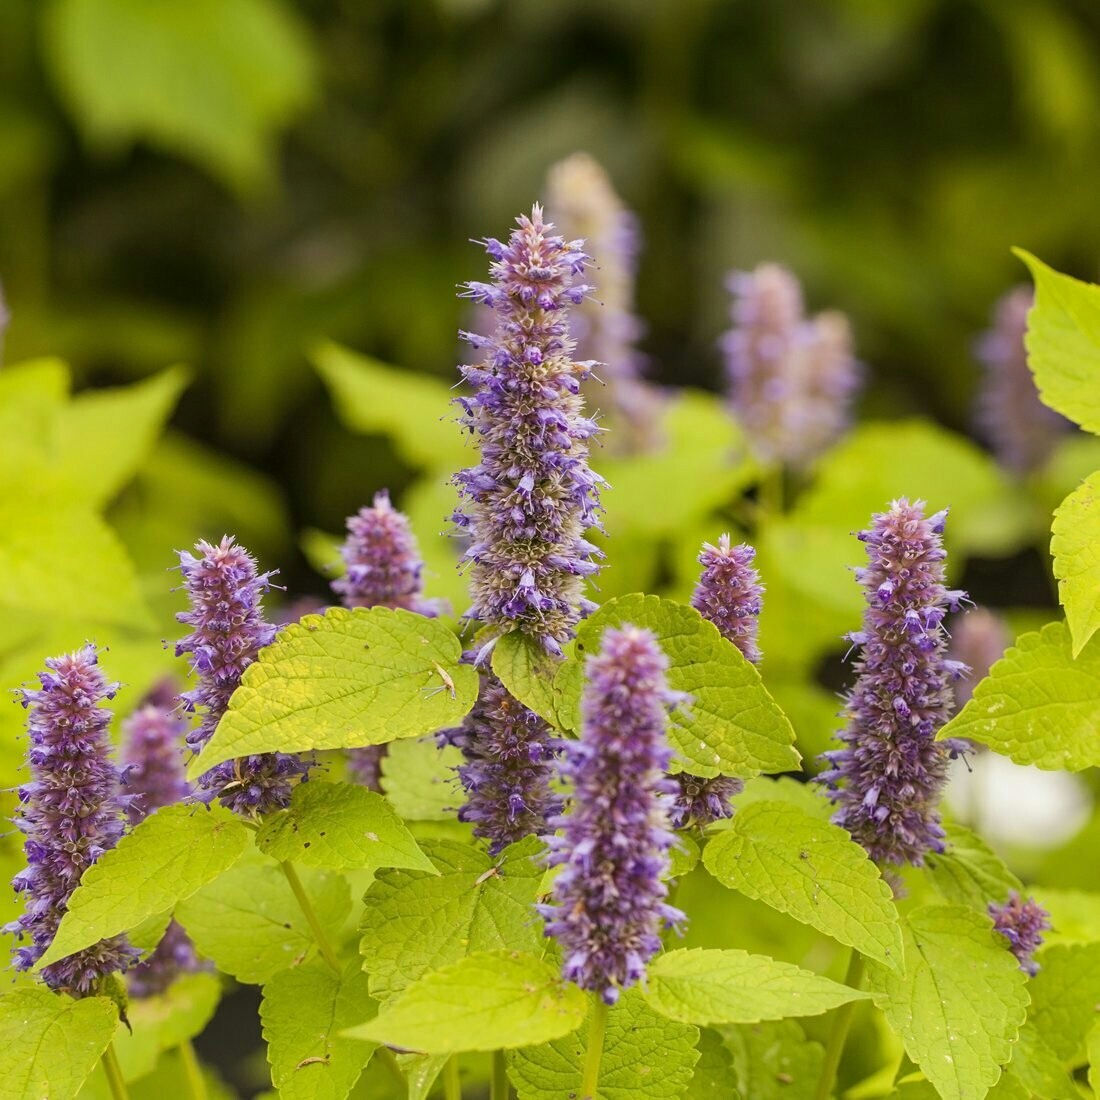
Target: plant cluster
[(576, 845)]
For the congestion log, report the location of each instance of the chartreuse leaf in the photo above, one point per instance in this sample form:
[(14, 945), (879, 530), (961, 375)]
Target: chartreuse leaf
[(413, 408), (1074, 914), (492, 1000), (714, 1070), (1065, 996), (969, 872), (166, 858), (421, 1072), (1075, 546), (49, 1044), (340, 826), (104, 435), (342, 680), (528, 673), (644, 1054), (419, 779), (1092, 1046), (1038, 705), (249, 923), (1035, 1070), (164, 1020), (732, 725), (132, 72), (416, 922), (304, 1011), (146, 935), (701, 986), (811, 869), (774, 1061), (1063, 343), (959, 1004)]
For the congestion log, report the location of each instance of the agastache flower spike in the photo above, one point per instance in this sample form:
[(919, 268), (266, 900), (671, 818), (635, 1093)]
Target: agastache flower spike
[(154, 774), (529, 501), (979, 639), (584, 204), (730, 595), (608, 899), (886, 781), (228, 632), (71, 812), (1021, 430), (1022, 921), (790, 379), (384, 569)]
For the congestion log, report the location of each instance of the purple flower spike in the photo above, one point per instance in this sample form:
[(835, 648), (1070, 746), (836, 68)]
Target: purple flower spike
[(530, 500), (153, 758), (228, 632), (583, 203), (1022, 921), (1021, 430), (383, 561), (509, 765), (383, 570), (609, 901), (71, 812), (730, 595), (979, 639), (699, 801), (154, 772), (887, 779), (791, 379)]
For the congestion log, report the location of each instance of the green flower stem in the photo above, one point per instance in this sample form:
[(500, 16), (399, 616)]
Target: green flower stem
[(192, 1071), (499, 1089), (327, 953), (114, 1074), (452, 1083), (590, 1081), (838, 1032)]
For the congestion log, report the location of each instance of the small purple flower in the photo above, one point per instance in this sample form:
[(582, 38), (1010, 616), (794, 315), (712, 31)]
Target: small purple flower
[(608, 900), (154, 772), (1022, 921), (384, 569), (1021, 430), (531, 498), (978, 640), (71, 812), (509, 764), (153, 758), (887, 779), (5, 317), (383, 561), (228, 632), (730, 595), (583, 203), (791, 379)]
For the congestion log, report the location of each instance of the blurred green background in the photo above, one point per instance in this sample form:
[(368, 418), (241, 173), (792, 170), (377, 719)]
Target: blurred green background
[(222, 182)]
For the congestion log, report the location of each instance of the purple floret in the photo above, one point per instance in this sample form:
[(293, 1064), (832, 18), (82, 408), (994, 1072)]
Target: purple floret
[(887, 779), (71, 812), (529, 501), (228, 631), (1022, 921), (509, 765), (609, 898)]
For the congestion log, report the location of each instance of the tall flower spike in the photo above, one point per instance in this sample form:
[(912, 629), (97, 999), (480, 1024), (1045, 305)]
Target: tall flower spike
[(608, 899), (1021, 430), (791, 379), (584, 204), (886, 781), (71, 812), (730, 595), (978, 640), (228, 632), (154, 773), (509, 765), (1022, 921), (384, 569), (531, 498)]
